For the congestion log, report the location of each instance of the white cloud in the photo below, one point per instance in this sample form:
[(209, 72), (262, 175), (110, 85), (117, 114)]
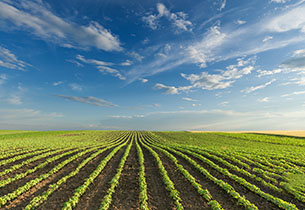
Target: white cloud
[(3, 78), (267, 38), (207, 81), (151, 21), (262, 73), (172, 90), (127, 116), (202, 52), (38, 19), (93, 61), (89, 100), (136, 56), (266, 99), (14, 99), (296, 81), (254, 88), (144, 80), (9, 60), (178, 19), (279, 1), (58, 83), (224, 103), (76, 87), (126, 63), (240, 22), (222, 5), (298, 53), (102, 66), (293, 19), (188, 99), (294, 93)]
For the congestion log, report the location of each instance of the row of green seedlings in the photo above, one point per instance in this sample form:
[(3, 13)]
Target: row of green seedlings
[(242, 201), (19, 157), (288, 188), (115, 180), (10, 196), (263, 173), (166, 180), (237, 169), (21, 175), (277, 201), (10, 153), (202, 192), (73, 201), (28, 161), (36, 201), (142, 180)]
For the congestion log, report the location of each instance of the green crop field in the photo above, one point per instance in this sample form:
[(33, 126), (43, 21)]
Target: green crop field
[(150, 170)]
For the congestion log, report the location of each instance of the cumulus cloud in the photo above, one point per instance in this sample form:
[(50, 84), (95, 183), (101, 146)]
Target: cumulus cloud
[(9, 60), (278, 1), (38, 19), (172, 90), (262, 73), (102, 66), (178, 19), (222, 5), (207, 81), (241, 22), (143, 80), (296, 81), (127, 116), (89, 100), (258, 87), (126, 63)]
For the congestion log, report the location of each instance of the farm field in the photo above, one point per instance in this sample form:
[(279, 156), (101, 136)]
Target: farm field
[(150, 170)]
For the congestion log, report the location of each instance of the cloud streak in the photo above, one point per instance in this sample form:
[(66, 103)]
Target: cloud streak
[(38, 19), (89, 100), (258, 87), (9, 60)]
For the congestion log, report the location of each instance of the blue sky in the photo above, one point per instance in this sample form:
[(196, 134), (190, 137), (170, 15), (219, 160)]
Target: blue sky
[(152, 65)]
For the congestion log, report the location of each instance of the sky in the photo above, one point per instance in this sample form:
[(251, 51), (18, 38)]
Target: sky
[(152, 65)]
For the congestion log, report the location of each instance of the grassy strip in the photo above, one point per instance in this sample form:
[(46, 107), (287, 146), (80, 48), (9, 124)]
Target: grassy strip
[(72, 202), (167, 181), (115, 180), (142, 181), (203, 192), (6, 198)]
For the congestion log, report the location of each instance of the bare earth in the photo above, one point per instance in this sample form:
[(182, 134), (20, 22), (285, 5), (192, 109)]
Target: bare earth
[(286, 133)]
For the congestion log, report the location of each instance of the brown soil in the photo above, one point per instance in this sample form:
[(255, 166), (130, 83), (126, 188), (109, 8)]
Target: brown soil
[(21, 201), (57, 199), (218, 194), (260, 202), (158, 196), (284, 196), (94, 195), (127, 192), (191, 200)]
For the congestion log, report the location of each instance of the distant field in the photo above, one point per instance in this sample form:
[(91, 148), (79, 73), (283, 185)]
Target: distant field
[(284, 133), (150, 170)]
